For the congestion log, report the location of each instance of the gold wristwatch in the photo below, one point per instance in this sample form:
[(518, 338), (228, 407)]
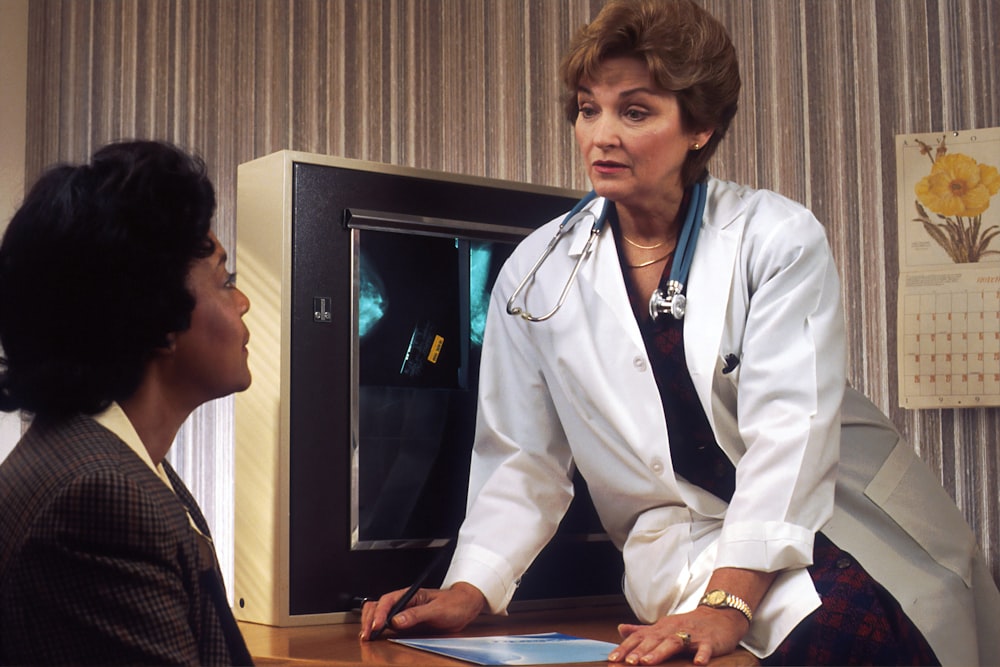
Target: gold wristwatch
[(720, 599)]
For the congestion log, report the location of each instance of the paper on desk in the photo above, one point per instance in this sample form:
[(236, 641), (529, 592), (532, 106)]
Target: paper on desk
[(548, 648)]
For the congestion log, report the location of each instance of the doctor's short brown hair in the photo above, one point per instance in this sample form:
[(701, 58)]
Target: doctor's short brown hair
[(688, 52)]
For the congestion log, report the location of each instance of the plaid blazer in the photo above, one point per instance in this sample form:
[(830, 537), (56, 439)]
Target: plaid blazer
[(98, 561)]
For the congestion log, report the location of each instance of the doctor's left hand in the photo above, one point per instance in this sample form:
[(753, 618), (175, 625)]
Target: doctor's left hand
[(704, 632)]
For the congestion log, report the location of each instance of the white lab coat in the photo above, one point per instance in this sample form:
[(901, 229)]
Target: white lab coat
[(577, 390)]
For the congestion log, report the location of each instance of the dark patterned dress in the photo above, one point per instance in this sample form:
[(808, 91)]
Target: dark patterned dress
[(859, 622)]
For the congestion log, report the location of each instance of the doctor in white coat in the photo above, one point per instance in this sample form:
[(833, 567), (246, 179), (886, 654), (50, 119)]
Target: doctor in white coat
[(824, 498)]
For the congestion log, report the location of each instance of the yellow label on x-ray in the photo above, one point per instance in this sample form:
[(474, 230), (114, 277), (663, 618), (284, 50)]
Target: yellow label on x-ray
[(435, 352)]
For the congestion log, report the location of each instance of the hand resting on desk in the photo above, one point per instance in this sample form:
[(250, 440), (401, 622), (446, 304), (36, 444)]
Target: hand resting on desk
[(451, 610), (443, 610)]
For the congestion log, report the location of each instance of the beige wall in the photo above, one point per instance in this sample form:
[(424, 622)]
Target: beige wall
[(13, 92), (469, 86)]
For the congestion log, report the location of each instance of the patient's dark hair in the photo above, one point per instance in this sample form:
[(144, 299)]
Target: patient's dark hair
[(93, 273)]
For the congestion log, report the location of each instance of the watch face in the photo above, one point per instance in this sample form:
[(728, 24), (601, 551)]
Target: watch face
[(715, 597)]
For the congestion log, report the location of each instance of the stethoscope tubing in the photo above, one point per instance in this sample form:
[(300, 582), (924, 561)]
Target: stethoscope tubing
[(564, 228), (672, 302)]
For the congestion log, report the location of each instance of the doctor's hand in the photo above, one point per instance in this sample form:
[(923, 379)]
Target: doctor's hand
[(448, 610), (705, 632)]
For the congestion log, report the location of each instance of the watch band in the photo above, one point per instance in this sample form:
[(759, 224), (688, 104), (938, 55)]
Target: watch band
[(720, 599)]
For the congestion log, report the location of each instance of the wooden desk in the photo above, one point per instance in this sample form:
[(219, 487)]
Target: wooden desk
[(339, 644)]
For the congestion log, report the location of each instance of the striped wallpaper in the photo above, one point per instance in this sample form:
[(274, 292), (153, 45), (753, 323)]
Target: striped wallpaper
[(470, 86)]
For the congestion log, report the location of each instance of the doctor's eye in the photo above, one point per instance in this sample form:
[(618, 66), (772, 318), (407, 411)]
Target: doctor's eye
[(634, 114)]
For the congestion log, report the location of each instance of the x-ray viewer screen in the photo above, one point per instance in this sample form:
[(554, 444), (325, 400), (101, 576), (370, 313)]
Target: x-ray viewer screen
[(420, 304)]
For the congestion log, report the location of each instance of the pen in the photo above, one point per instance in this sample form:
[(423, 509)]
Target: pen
[(410, 592)]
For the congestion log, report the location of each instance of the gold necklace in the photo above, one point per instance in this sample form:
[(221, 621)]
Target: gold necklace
[(650, 262), (643, 247)]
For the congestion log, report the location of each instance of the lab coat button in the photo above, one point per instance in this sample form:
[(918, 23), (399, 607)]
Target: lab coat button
[(656, 466), (639, 363)]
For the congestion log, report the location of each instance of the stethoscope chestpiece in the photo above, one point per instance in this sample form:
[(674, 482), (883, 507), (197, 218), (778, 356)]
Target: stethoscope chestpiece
[(672, 303)]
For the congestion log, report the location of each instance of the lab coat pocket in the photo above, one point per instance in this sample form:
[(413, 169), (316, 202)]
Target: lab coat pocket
[(656, 556), (911, 495)]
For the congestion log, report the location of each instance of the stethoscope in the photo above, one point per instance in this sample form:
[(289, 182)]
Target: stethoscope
[(672, 301)]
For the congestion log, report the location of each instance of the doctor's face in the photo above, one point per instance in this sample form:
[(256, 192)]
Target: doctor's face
[(631, 135)]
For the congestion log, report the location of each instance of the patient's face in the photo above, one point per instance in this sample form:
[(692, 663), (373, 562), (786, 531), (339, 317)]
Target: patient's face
[(210, 357)]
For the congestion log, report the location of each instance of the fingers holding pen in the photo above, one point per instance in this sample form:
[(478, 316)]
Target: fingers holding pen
[(376, 615), (448, 610), (387, 610), (367, 619)]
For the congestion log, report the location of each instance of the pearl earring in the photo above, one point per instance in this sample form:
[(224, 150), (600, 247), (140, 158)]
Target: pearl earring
[(696, 147)]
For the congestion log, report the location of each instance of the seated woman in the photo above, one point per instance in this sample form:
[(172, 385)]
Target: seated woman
[(118, 318)]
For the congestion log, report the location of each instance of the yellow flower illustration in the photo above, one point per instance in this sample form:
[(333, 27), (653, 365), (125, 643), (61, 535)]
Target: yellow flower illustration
[(958, 185), (958, 191)]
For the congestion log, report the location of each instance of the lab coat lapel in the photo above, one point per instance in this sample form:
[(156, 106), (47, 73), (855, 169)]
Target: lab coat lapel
[(603, 273), (709, 289)]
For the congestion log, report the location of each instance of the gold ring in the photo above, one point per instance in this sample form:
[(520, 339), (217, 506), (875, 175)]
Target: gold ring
[(685, 638)]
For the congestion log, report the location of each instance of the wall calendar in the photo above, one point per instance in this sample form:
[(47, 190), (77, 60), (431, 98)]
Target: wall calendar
[(949, 269)]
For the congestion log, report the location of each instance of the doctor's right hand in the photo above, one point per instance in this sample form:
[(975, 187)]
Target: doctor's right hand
[(448, 610)]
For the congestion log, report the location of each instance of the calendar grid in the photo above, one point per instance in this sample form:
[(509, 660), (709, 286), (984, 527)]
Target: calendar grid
[(951, 348)]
